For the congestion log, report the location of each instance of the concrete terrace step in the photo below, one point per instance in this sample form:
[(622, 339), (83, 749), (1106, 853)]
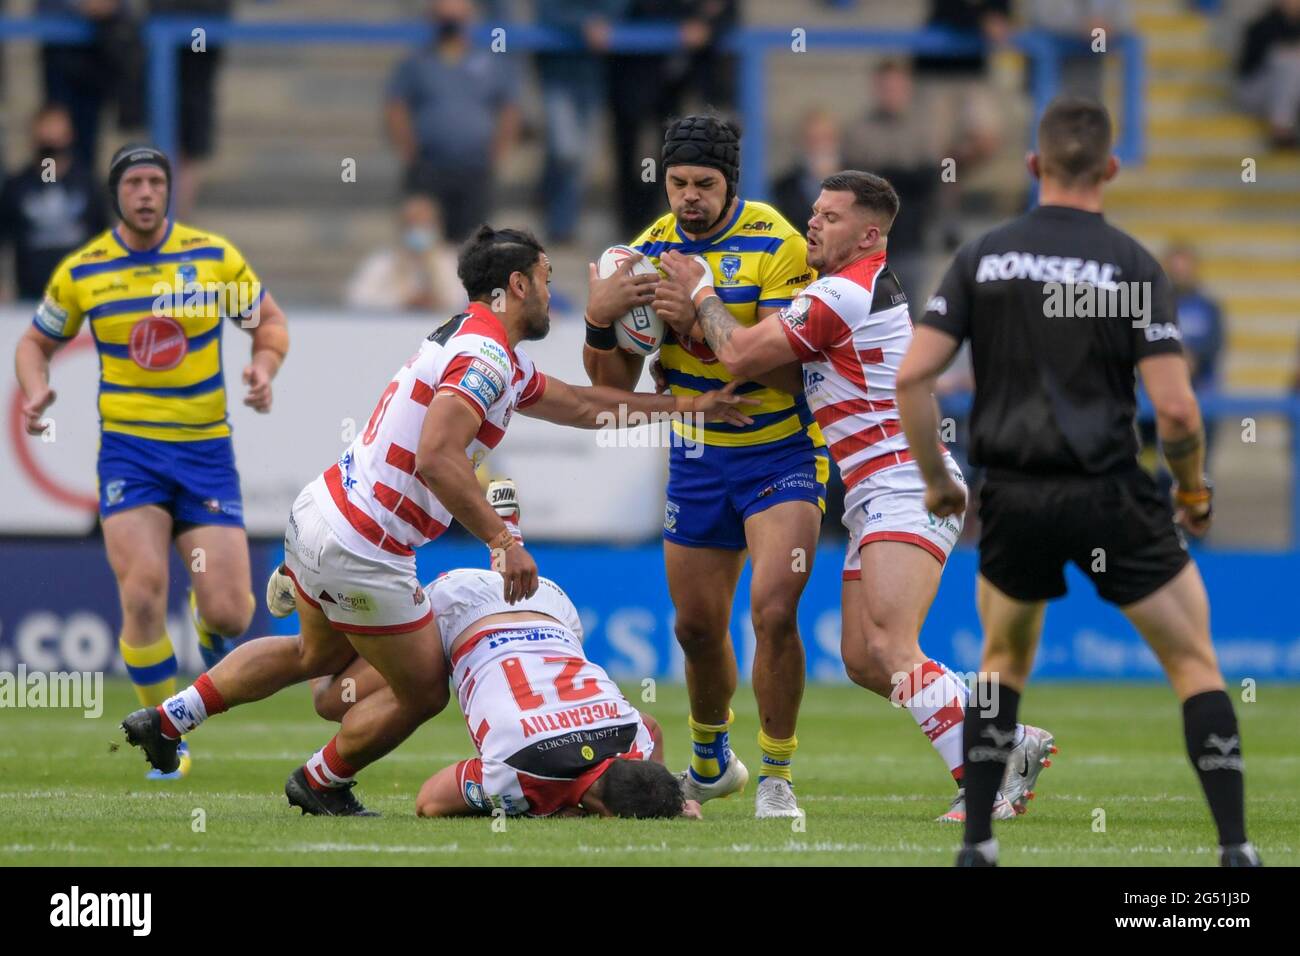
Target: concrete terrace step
[(1251, 197)]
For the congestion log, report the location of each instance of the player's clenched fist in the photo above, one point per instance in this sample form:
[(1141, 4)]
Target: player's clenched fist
[(619, 293), (945, 497), (34, 411)]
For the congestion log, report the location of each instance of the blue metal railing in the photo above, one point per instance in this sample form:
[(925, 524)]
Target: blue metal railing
[(165, 35)]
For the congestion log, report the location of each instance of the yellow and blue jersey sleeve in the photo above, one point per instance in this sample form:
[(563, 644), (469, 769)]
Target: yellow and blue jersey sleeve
[(59, 315), (785, 273)]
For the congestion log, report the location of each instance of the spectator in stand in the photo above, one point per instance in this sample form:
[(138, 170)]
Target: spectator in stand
[(902, 143), (196, 114), (52, 206), (795, 191), (79, 75), (646, 89), (956, 96), (451, 113), (418, 274), (573, 85), (1199, 316), (1268, 70), (1082, 70)]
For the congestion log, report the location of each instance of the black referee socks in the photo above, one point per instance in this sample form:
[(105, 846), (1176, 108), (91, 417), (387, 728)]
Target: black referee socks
[(1214, 747), (989, 737)]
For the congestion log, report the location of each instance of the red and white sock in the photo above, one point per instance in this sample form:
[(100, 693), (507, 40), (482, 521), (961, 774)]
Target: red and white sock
[(936, 698), (182, 712), (326, 770)]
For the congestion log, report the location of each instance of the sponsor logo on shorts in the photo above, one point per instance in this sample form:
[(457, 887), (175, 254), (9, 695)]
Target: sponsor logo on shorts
[(938, 305), (113, 491), (418, 596), (354, 602)]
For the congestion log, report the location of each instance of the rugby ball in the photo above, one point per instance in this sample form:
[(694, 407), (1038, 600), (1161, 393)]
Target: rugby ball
[(639, 331)]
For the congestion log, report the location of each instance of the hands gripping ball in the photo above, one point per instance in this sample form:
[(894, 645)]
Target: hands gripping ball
[(639, 331)]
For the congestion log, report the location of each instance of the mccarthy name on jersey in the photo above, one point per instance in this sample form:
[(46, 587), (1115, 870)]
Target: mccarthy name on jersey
[(851, 330), (373, 496), (544, 719)]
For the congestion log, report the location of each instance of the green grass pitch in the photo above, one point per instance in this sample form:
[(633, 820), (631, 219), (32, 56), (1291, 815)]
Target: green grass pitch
[(74, 794)]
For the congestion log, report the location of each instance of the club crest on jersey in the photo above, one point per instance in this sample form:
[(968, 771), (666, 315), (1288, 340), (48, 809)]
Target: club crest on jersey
[(186, 273), (483, 382), (730, 266), (157, 343)]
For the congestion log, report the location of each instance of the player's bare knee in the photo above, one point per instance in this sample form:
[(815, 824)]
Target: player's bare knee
[(775, 620), (144, 601), (697, 637), (327, 698), (228, 616)]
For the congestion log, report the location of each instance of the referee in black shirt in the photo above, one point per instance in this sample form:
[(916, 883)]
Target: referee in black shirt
[(1060, 308)]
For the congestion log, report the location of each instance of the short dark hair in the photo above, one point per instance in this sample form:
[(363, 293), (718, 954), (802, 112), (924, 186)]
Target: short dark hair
[(869, 191), (641, 789), (1074, 138), (491, 256)]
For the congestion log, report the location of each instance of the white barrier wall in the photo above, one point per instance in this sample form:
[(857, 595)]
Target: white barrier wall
[(572, 484)]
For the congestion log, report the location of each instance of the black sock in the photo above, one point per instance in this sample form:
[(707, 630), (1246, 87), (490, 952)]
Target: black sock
[(1214, 746), (985, 753)]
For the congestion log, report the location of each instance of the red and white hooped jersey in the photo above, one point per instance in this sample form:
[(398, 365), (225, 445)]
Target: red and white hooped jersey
[(545, 720), (850, 330), (373, 497)]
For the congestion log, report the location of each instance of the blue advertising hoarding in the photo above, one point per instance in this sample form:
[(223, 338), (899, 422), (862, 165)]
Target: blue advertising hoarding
[(60, 612)]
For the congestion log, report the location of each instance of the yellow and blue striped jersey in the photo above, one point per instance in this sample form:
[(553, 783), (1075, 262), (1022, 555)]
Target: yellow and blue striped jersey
[(758, 260), (157, 318)]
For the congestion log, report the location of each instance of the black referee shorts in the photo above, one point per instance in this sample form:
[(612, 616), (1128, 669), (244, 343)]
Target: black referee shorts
[(1118, 529)]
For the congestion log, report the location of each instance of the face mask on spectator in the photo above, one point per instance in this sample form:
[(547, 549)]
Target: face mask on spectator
[(57, 151), (419, 238), (449, 28)]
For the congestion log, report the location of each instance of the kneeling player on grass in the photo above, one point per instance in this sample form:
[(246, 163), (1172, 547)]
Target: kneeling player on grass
[(352, 533), (850, 330)]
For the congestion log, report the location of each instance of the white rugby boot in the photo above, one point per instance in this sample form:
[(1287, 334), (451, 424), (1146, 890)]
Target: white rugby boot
[(1028, 759), (1002, 809), (775, 798), (733, 780)]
